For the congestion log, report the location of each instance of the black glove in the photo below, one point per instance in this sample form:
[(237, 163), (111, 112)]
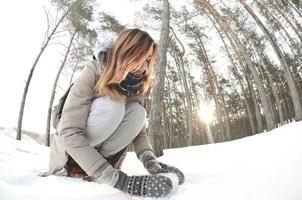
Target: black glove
[(145, 186), (155, 167)]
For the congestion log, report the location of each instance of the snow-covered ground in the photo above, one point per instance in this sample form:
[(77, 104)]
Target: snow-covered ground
[(267, 166)]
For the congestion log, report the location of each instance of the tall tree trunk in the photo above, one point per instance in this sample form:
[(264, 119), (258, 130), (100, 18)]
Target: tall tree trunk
[(72, 74), (22, 106), (297, 23), (285, 103), (256, 108), (210, 76), (225, 121), (265, 12), (248, 109), (47, 139), (288, 76), (249, 113), (236, 75), (243, 51), (157, 90), (170, 115), (290, 43), (295, 8), (271, 83), (183, 98), (263, 63), (177, 121), (186, 89), (286, 19)]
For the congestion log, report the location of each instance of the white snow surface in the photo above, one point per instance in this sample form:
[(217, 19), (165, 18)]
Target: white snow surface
[(266, 166)]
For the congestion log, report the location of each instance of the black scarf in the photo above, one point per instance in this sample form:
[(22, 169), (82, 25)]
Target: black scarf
[(131, 84)]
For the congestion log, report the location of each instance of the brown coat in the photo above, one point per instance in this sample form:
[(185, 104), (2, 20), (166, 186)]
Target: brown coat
[(69, 138)]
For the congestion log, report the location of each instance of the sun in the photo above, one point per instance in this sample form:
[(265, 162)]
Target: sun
[(206, 112)]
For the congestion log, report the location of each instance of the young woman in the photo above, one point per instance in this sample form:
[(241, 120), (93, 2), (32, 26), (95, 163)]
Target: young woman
[(104, 113)]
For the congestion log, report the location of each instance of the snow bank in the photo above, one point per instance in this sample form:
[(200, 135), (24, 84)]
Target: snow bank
[(262, 167)]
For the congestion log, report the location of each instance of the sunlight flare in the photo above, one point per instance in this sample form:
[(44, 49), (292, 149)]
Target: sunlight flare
[(206, 111)]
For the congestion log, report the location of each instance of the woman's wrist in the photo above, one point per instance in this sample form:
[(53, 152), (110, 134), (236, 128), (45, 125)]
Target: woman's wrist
[(109, 176), (146, 155)]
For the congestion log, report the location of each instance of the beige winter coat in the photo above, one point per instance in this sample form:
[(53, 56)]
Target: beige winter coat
[(69, 138)]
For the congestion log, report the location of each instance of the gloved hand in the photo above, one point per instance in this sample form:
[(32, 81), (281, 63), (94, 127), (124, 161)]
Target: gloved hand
[(145, 186), (155, 167)]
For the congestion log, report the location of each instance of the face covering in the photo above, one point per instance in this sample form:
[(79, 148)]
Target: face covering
[(131, 84)]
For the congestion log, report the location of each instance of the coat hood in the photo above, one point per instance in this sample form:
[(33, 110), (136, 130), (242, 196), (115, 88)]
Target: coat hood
[(101, 49)]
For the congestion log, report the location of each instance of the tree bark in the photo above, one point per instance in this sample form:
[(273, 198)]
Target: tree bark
[(236, 75), (243, 51), (295, 8), (157, 90), (213, 86), (263, 63), (22, 106), (288, 76), (47, 139), (266, 13), (286, 19), (186, 89), (256, 108)]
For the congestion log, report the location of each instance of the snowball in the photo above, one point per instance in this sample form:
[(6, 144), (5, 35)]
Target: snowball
[(173, 178)]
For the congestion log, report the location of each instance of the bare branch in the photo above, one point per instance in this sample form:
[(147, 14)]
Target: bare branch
[(57, 13), (57, 43), (48, 26), (58, 36), (182, 46), (58, 32), (47, 17)]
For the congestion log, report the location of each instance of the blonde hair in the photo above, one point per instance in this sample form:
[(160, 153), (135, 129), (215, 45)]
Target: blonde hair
[(128, 52)]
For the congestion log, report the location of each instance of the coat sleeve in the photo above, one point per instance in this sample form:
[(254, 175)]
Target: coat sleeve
[(72, 126), (141, 142)]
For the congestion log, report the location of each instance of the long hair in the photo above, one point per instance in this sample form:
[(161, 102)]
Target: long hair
[(126, 53)]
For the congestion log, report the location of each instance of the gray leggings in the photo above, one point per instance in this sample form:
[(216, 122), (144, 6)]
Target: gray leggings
[(112, 125)]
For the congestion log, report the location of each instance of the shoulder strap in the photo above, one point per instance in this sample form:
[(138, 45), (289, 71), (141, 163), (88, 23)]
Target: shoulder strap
[(63, 98)]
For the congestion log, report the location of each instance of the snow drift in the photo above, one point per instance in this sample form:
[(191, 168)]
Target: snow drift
[(266, 166)]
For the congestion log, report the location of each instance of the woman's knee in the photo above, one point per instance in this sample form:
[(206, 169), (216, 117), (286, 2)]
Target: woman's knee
[(104, 117), (130, 127), (104, 104), (137, 112)]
